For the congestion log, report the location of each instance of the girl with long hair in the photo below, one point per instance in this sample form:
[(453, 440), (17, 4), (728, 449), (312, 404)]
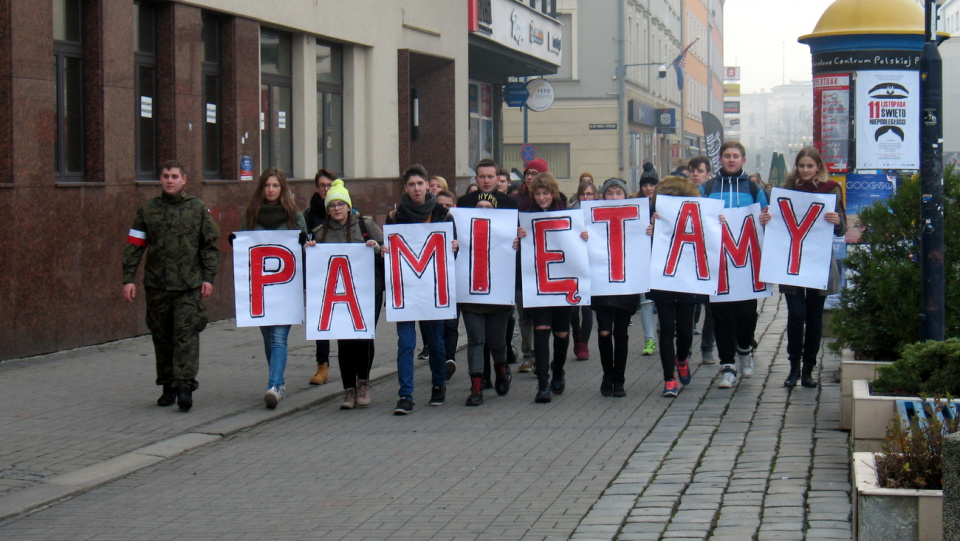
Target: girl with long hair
[(804, 304), (271, 207)]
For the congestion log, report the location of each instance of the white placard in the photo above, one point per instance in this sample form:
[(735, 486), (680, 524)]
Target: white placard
[(267, 278), (740, 257), (146, 106), (798, 242), (619, 248), (211, 113), (888, 119), (485, 273), (553, 259), (282, 120), (341, 291), (420, 274), (686, 244)]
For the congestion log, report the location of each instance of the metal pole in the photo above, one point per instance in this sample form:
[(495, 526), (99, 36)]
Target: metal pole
[(621, 81), (931, 181), (525, 125)]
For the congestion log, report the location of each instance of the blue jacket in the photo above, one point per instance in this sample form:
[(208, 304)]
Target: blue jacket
[(735, 191)]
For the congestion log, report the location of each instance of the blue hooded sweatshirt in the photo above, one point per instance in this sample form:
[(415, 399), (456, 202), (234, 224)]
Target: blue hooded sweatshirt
[(734, 190)]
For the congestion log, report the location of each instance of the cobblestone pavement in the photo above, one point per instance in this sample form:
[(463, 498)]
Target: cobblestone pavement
[(756, 462)]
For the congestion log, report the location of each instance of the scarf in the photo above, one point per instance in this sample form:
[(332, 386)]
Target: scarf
[(410, 213), (823, 187), (317, 206), (272, 216)]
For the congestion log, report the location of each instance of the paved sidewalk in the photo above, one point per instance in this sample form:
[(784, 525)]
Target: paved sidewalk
[(759, 461)]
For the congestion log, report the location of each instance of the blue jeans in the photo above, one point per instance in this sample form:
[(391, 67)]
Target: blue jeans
[(407, 343), (275, 345)]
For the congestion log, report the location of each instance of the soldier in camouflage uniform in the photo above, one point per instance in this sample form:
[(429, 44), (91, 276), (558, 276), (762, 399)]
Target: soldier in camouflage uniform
[(180, 238)]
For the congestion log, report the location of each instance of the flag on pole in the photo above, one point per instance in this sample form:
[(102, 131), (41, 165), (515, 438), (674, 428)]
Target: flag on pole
[(680, 61)]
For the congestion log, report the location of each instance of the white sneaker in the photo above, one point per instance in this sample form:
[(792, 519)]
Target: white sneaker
[(707, 357), (728, 376), (274, 395), (746, 363)]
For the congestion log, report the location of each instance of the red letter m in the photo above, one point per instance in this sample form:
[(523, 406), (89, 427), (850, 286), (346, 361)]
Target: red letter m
[(432, 251), (739, 254)]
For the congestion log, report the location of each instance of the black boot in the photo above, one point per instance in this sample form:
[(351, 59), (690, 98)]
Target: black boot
[(476, 392), (169, 396), (504, 377), (791, 380), (806, 376), (543, 391), (185, 397)]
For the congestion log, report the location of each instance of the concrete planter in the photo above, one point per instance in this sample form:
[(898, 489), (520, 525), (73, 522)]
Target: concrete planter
[(893, 513), (872, 414), (850, 370)]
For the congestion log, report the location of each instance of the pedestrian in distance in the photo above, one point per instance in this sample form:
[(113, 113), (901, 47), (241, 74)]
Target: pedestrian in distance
[(804, 304), (699, 172), (180, 239), (648, 189), (675, 309), (271, 208), (734, 322), (355, 357), (581, 317), (613, 318), (555, 320), (315, 214), (419, 205)]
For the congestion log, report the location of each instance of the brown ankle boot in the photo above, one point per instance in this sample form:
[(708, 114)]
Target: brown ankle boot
[(363, 393), (349, 399), (323, 372)]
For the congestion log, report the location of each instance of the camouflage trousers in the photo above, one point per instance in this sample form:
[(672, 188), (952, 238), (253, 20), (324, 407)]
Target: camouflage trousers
[(175, 318)]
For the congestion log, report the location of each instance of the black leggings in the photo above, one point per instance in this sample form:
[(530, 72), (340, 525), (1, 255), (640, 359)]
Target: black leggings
[(804, 325), (676, 318), (612, 325)]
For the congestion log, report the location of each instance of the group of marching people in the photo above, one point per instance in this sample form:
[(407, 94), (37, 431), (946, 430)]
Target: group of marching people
[(331, 217)]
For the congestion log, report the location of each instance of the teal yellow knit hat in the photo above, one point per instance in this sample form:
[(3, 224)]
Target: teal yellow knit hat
[(337, 191)]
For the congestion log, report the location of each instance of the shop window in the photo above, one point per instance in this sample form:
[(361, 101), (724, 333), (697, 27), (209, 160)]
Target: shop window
[(212, 120), (68, 75), (557, 156), (330, 107), (276, 99), (145, 81)]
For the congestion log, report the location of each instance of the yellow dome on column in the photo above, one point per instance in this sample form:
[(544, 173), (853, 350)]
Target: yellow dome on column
[(846, 17)]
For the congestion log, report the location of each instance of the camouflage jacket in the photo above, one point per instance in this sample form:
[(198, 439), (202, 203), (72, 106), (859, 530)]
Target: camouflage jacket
[(180, 238)]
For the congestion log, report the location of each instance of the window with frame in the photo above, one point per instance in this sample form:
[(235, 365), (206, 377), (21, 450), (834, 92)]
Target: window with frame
[(330, 107), (145, 81), (276, 100), (210, 41), (68, 77)]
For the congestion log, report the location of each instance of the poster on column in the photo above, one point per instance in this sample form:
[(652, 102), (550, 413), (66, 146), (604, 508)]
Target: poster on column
[(341, 291), (267, 279), (739, 275), (686, 244), (619, 247), (554, 265), (888, 119), (486, 268), (798, 240), (420, 273)]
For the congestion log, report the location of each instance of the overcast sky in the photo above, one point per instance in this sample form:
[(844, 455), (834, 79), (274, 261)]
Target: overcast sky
[(759, 34)]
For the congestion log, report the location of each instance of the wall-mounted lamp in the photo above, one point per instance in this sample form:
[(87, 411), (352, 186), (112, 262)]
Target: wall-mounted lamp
[(415, 114)]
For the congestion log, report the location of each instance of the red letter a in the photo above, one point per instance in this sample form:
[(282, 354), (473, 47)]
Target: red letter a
[(689, 212), (340, 272)]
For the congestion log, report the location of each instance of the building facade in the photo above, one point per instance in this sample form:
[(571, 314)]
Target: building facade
[(227, 87), (777, 121)]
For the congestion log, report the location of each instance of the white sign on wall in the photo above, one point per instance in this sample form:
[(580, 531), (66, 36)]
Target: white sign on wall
[(888, 119), (519, 27)]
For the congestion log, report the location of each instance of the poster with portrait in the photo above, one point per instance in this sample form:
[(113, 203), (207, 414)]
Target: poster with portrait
[(888, 119)]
